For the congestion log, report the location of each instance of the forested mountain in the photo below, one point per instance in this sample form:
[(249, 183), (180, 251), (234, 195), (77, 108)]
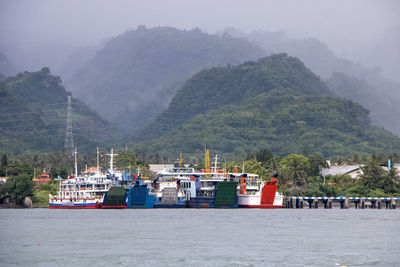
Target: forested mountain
[(275, 102), (133, 78), (372, 88), (33, 115)]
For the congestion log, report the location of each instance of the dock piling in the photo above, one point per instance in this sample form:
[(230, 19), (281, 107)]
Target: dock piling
[(315, 203)]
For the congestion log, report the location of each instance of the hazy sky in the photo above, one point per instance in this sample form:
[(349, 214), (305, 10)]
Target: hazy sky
[(344, 24)]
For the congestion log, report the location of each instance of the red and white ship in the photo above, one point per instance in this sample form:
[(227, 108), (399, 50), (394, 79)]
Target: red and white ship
[(83, 192), (254, 193), (86, 192)]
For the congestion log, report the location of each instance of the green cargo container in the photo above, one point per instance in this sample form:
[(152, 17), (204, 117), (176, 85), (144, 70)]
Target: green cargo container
[(226, 195), (115, 198)]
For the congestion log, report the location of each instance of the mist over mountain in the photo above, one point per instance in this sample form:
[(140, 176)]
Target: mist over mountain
[(372, 89), (33, 116), (31, 56), (6, 67), (275, 102), (132, 79)]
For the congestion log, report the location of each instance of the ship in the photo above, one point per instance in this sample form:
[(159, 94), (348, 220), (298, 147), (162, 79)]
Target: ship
[(92, 190), (139, 195), (210, 192), (207, 188), (85, 192), (254, 193), (169, 194)]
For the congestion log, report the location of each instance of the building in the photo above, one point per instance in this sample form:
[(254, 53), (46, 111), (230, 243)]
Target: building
[(353, 170), (43, 179)]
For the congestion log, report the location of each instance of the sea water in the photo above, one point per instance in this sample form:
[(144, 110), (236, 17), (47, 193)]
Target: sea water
[(199, 237)]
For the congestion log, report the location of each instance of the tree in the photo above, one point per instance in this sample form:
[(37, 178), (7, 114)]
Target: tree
[(264, 155), (126, 160), (294, 168), (390, 181), (317, 162), (373, 174), (4, 161), (18, 187)]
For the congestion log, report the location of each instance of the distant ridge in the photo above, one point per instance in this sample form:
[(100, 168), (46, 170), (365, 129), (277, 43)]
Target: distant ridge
[(132, 79), (275, 102)]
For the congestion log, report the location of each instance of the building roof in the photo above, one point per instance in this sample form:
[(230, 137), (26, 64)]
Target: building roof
[(90, 170), (159, 167), (340, 169), (44, 175)]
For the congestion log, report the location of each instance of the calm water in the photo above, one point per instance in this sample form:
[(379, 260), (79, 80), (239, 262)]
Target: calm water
[(43, 237)]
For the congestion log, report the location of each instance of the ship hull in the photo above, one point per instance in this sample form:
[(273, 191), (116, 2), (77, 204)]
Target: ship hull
[(170, 206), (201, 202), (254, 201), (261, 206), (113, 207), (73, 205)]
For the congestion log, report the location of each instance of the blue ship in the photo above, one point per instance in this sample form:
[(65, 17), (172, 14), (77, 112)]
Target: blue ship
[(139, 196)]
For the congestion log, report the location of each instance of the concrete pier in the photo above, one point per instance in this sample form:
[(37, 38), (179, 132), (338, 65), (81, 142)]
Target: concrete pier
[(343, 201)]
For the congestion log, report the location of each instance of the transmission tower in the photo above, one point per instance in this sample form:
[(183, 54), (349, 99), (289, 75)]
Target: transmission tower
[(69, 140)]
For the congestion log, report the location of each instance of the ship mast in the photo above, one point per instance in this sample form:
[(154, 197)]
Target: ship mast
[(76, 162), (180, 160), (112, 160), (98, 159), (216, 163)]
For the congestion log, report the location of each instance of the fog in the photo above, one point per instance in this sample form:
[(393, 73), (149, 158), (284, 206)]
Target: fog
[(355, 30)]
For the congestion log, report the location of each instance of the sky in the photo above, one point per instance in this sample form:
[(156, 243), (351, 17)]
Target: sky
[(351, 28)]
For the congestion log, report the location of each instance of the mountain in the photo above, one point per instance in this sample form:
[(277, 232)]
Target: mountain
[(132, 79), (275, 102), (316, 55), (6, 67), (383, 105), (33, 116), (372, 87), (75, 61)]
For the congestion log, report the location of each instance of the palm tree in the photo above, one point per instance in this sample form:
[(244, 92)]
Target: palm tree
[(372, 174), (294, 166)]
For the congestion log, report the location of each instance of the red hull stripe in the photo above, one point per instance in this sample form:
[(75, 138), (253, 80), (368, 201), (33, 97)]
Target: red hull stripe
[(261, 206), (73, 207)]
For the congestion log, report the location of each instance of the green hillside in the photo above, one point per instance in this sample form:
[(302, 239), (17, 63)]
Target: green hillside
[(132, 79), (33, 116), (369, 87), (275, 102)]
